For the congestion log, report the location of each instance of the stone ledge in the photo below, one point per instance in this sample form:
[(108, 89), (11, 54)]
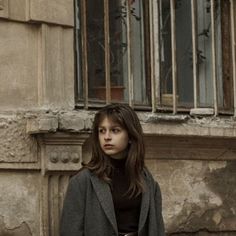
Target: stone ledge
[(45, 124), (153, 124), (76, 121)]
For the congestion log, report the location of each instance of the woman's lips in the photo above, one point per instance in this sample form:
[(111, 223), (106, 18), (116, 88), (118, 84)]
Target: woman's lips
[(108, 146)]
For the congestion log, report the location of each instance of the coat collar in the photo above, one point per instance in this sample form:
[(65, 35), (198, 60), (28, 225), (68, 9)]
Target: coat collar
[(103, 192), (104, 195), (144, 205)]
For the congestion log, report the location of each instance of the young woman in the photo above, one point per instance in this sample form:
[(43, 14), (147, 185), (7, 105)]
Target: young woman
[(114, 194)]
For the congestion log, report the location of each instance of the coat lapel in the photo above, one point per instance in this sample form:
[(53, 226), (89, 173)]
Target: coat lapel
[(144, 207), (103, 192)]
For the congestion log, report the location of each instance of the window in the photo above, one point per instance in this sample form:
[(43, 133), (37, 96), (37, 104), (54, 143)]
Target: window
[(166, 55), (197, 32), (114, 51)]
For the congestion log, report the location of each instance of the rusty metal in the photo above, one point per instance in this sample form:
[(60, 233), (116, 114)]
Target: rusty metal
[(232, 16), (129, 54), (213, 43), (173, 50), (152, 56), (84, 52), (194, 48), (107, 51)]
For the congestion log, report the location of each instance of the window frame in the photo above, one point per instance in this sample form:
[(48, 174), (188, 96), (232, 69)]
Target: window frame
[(152, 62)]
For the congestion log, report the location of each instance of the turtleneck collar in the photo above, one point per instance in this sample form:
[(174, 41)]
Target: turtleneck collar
[(118, 163)]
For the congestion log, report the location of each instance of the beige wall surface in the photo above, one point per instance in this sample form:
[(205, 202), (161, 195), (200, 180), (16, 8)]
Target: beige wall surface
[(37, 66), (54, 11), (18, 65), (60, 12), (19, 204)]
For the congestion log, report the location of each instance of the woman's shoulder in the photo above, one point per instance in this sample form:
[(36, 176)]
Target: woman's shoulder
[(148, 174), (150, 179), (82, 176)]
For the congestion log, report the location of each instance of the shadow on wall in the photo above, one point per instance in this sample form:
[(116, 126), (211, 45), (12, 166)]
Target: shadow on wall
[(219, 220), (204, 233), (21, 230)]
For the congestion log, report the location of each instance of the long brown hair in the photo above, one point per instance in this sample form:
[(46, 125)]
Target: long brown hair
[(100, 164)]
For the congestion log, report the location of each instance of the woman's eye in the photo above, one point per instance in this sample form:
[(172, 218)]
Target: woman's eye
[(101, 131), (115, 130)]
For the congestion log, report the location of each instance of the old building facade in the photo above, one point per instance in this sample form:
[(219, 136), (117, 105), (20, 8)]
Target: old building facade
[(44, 130)]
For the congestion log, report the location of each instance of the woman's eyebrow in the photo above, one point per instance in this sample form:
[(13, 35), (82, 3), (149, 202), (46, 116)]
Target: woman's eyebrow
[(112, 126)]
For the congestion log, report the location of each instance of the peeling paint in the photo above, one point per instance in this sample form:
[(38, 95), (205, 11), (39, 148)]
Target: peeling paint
[(20, 206), (21, 230)]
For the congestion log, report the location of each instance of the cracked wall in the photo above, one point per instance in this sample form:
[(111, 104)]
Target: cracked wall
[(19, 203), (198, 196), (16, 145)]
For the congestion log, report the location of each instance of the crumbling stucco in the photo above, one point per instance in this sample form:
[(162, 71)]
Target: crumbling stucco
[(21, 230), (16, 144), (197, 195), (19, 203)]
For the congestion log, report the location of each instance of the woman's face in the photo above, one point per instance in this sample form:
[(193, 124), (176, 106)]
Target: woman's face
[(113, 138)]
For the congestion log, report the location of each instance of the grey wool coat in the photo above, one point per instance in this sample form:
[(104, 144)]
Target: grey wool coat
[(88, 208)]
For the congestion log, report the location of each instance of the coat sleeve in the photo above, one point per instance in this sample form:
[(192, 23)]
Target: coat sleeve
[(158, 200), (72, 217)]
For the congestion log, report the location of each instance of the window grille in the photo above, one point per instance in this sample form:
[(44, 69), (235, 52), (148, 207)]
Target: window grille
[(165, 55)]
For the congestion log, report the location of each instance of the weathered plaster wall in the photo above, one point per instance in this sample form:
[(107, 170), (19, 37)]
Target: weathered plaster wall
[(37, 58), (19, 204), (18, 64), (197, 194), (16, 145), (196, 173)]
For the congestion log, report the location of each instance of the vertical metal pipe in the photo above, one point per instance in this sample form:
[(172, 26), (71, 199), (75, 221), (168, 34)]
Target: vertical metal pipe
[(233, 44), (173, 50), (153, 82), (84, 52), (213, 42), (129, 54), (107, 51), (194, 48)]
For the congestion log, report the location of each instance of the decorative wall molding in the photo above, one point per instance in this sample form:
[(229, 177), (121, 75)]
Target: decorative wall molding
[(61, 157), (58, 12), (190, 148), (4, 8), (61, 152)]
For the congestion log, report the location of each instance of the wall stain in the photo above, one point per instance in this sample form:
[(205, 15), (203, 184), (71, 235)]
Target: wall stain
[(21, 230), (203, 233), (219, 220)]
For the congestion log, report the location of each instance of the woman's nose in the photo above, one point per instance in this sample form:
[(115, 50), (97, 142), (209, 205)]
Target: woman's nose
[(107, 135)]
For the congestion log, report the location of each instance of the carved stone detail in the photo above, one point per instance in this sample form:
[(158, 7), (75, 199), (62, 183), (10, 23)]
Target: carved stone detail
[(53, 157), (61, 152), (61, 156)]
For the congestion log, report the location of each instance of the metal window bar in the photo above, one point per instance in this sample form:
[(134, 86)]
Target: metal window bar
[(84, 52), (107, 51), (155, 9), (152, 46), (173, 52), (129, 54), (194, 48), (233, 44), (213, 43)]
